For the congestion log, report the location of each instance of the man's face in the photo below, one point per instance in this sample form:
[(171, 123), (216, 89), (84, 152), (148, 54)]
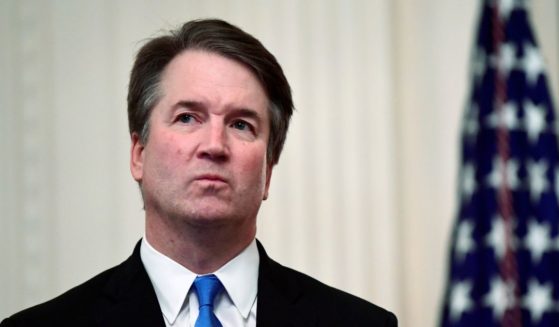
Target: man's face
[(205, 158)]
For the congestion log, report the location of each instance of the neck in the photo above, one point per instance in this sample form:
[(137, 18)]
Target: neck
[(201, 249)]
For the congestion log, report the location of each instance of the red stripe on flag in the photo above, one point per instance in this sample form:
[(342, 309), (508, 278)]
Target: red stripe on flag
[(508, 266)]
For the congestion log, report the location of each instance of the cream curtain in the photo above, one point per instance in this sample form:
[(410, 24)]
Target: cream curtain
[(363, 197)]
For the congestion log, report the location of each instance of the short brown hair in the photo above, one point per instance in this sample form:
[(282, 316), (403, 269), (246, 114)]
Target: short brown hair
[(222, 38)]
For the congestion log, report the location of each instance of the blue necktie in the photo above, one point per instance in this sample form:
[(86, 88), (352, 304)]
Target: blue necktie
[(207, 287)]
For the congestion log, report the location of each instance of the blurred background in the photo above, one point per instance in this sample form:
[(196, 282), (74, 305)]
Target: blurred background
[(365, 193)]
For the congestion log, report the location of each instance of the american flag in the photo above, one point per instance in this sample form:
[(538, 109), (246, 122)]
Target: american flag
[(504, 260)]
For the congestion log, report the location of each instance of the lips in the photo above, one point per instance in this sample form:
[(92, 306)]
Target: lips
[(211, 178)]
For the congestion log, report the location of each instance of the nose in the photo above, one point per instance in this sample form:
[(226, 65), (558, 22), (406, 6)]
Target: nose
[(214, 144)]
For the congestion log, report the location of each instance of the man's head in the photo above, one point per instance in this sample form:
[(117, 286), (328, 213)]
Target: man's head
[(209, 109), (221, 38)]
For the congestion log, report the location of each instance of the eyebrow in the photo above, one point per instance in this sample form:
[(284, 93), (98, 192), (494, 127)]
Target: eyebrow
[(244, 112), (196, 105)]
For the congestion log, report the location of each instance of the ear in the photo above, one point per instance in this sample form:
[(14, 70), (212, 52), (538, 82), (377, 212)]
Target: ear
[(136, 157), (268, 179)]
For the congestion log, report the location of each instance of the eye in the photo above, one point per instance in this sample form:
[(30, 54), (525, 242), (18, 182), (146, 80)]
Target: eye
[(185, 118), (241, 125)]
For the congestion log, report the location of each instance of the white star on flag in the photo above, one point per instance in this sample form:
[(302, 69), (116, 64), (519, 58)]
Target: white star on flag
[(538, 182), (468, 181), (538, 239), (507, 6), (496, 238), (510, 170), (532, 62), (534, 120), (478, 65), (538, 300), (505, 60), (464, 240), (500, 297), (471, 125), (460, 300), (505, 117)]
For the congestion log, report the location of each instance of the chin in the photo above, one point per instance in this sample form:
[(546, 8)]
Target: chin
[(209, 217)]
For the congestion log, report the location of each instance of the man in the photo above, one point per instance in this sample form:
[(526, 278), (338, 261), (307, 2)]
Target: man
[(208, 109)]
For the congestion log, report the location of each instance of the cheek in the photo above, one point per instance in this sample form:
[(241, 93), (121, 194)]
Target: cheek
[(166, 155), (254, 166), (178, 152)]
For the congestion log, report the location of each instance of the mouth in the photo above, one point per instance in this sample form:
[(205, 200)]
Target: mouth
[(211, 178)]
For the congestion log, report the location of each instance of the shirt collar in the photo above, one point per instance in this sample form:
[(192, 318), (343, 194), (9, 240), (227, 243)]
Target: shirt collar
[(240, 278), (172, 281)]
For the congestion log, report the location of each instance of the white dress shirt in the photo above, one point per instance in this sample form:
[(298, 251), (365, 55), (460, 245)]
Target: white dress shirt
[(235, 306)]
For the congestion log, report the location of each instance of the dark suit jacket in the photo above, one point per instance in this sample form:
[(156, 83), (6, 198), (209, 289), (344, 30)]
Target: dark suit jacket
[(124, 296)]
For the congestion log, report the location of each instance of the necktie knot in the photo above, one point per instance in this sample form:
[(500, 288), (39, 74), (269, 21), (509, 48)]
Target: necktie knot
[(207, 288)]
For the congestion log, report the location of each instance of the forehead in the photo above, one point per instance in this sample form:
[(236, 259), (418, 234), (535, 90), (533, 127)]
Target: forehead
[(203, 73)]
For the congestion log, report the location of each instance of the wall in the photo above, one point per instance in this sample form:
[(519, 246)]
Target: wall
[(363, 197)]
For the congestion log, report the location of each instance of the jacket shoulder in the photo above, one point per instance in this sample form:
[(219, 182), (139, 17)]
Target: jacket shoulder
[(333, 304), (74, 303), (296, 292), (106, 297)]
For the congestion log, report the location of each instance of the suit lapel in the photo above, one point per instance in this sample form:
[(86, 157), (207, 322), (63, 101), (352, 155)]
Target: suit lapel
[(278, 295), (130, 299)]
